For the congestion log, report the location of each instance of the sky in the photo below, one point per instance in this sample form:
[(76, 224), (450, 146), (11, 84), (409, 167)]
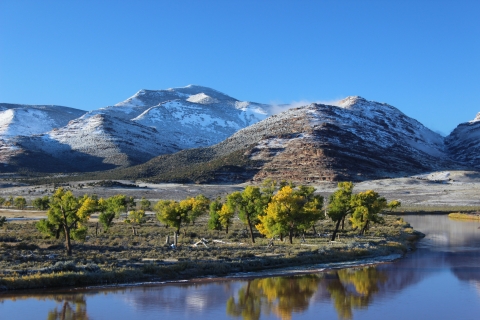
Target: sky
[(422, 57)]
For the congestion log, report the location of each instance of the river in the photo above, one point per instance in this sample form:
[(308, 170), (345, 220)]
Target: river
[(440, 280)]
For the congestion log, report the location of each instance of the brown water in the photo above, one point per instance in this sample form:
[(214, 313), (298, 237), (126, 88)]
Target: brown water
[(440, 280)]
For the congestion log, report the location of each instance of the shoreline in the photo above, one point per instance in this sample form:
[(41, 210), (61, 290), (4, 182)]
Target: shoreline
[(159, 272)]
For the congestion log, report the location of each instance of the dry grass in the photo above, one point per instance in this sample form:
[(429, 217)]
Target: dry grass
[(29, 260), (464, 216)]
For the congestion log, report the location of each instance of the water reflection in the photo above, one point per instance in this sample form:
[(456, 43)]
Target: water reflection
[(279, 295), (69, 307), (354, 289), (446, 266)]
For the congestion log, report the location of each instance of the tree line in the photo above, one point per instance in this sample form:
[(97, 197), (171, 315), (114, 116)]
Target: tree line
[(273, 209)]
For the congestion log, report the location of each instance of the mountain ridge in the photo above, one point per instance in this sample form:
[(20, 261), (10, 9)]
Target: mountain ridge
[(198, 134)]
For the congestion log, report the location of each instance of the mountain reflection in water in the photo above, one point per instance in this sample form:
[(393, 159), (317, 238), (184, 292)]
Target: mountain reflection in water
[(440, 280)]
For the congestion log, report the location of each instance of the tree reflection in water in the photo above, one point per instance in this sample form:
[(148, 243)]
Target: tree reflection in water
[(280, 295), (348, 289), (353, 289), (70, 307)]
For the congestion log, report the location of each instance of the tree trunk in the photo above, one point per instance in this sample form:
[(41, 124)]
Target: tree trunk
[(67, 240), (290, 235), (226, 229), (314, 231), (343, 222), (251, 230), (133, 230), (281, 237), (334, 235)]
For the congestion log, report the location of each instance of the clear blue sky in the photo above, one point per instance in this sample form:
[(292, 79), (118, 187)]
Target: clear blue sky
[(422, 57)]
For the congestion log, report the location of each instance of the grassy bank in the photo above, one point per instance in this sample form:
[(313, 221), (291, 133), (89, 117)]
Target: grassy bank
[(30, 261), (465, 216)]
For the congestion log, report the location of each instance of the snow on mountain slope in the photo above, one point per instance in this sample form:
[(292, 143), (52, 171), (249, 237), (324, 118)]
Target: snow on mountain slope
[(198, 124), (99, 142), (204, 97), (357, 140), (17, 119), (463, 142)]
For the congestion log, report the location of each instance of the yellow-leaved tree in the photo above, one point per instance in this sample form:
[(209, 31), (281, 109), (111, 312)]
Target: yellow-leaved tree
[(66, 214), (367, 206), (289, 211)]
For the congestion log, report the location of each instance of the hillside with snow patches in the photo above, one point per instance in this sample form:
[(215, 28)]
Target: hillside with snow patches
[(148, 124), (26, 120), (463, 143), (356, 140)]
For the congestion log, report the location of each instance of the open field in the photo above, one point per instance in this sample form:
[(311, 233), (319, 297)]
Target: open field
[(29, 260)]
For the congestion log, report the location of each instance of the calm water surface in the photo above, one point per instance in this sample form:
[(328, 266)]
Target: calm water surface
[(440, 280)]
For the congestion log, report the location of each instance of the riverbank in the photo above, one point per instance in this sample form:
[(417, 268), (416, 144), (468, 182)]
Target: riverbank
[(116, 257)]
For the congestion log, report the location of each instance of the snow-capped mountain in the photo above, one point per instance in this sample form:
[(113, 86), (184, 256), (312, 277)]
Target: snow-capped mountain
[(191, 116), (356, 140), (25, 120), (151, 123), (463, 143), (98, 142)]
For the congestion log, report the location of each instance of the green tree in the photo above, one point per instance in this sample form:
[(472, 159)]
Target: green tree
[(214, 220), (194, 207), (170, 213), (41, 203), (111, 208), (176, 214), (2, 221), (145, 204), (249, 204), (339, 205), (368, 206), (290, 211), (130, 203), (67, 212), (135, 219), (20, 203), (2, 201), (225, 216)]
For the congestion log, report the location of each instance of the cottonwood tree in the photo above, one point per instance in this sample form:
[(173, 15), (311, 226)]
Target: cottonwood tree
[(145, 204), (289, 211), (225, 216), (2, 221), (66, 213), (135, 219), (339, 205), (20, 203), (368, 206), (214, 212), (111, 208), (176, 214), (249, 205), (41, 203), (194, 207)]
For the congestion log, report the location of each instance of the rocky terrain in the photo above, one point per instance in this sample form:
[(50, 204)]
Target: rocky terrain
[(358, 140), (463, 143)]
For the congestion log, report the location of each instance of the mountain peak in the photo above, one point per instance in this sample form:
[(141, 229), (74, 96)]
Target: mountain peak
[(477, 118)]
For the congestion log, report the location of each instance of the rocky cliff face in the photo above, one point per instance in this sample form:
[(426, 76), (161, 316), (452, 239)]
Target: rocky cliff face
[(463, 143)]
